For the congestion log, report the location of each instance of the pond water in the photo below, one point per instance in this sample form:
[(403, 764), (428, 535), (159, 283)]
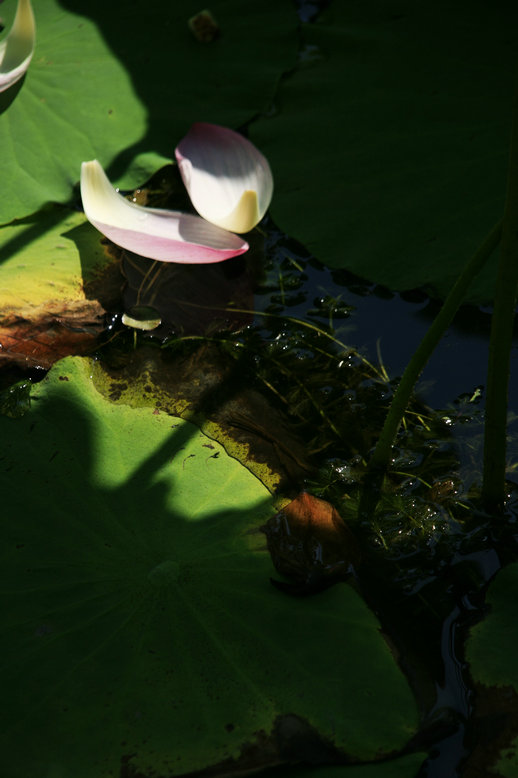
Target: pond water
[(446, 598)]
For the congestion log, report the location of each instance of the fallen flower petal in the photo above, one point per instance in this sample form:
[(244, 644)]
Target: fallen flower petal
[(168, 236), (229, 181), (17, 48)]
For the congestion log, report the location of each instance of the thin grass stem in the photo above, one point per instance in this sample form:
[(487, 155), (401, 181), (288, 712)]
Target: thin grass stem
[(381, 456)]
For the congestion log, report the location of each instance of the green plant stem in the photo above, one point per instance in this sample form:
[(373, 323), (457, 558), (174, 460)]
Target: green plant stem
[(380, 459), (495, 428)]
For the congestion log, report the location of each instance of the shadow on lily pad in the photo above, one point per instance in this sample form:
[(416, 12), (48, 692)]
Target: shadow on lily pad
[(140, 623)]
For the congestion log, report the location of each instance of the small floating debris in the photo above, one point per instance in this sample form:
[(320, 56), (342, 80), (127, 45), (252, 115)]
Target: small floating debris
[(142, 317), (204, 27)]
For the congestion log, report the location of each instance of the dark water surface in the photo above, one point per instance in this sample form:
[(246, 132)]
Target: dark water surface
[(385, 326)]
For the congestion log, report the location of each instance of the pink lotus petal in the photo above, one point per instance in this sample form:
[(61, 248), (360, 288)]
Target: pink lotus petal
[(17, 48), (168, 236), (229, 181)]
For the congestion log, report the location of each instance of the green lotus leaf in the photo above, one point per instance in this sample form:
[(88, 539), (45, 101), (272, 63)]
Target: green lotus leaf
[(389, 146), (491, 648), (140, 631), (122, 83), (491, 653)]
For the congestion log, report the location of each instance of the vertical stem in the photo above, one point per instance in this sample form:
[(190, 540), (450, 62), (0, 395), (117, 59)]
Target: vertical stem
[(495, 429), (380, 459)]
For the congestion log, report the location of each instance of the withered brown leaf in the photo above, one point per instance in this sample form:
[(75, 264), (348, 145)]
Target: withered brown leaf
[(310, 544)]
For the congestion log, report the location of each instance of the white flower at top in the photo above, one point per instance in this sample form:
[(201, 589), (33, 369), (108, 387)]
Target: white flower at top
[(230, 185), (17, 48)]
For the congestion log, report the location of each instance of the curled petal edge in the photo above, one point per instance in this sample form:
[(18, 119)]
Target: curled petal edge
[(229, 181), (17, 48), (167, 236)]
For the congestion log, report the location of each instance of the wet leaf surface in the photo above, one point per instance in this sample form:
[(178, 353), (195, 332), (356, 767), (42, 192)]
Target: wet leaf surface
[(208, 387)]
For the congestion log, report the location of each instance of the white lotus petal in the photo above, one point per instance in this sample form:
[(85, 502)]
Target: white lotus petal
[(17, 48), (169, 236), (229, 181)]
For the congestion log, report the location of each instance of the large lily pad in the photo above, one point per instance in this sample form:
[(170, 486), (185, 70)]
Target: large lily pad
[(391, 139), (140, 630), (121, 82)]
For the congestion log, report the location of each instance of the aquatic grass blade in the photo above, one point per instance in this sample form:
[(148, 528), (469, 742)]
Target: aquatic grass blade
[(380, 458)]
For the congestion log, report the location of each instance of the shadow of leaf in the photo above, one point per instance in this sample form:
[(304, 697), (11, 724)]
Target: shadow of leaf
[(178, 80)]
